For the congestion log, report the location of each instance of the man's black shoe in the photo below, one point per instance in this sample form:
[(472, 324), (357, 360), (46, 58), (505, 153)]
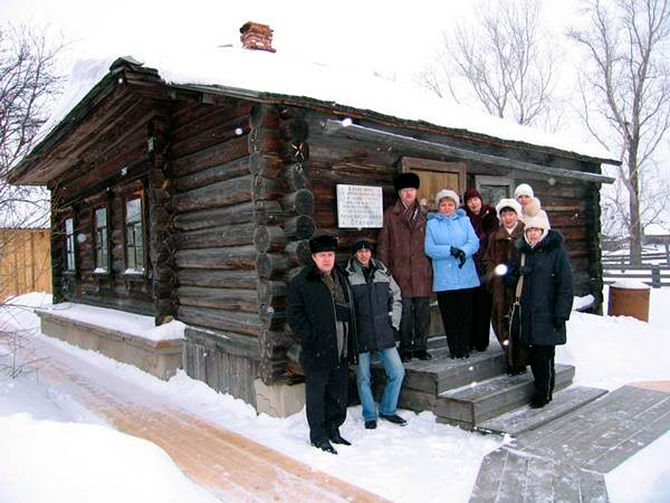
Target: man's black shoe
[(336, 438), (370, 425), (422, 355), (394, 418), (406, 356), (324, 445)]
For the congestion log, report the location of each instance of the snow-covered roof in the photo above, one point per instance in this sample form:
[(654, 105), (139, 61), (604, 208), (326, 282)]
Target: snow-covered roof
[(264, 73)]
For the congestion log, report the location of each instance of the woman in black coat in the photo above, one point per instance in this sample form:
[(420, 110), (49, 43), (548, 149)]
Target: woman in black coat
[(546, 299)]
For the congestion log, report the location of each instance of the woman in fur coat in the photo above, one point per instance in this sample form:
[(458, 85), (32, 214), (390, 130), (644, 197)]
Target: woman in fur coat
[(499, 251)]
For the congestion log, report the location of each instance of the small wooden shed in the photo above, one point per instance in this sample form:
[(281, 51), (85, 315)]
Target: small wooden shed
[(190, 190), (25, 262)]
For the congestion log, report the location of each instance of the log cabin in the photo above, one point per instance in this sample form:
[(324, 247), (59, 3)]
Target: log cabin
[(189, 189)]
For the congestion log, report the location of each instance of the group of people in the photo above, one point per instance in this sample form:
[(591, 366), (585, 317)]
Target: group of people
[(478, 260)]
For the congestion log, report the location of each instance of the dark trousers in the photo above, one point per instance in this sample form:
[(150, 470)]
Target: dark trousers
[(326, 401), (542, 365), (414, 324), (481, 318), (456, 311)]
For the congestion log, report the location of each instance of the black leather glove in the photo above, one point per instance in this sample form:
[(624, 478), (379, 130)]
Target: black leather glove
[(459, 255), (558, 322), (523, 270)]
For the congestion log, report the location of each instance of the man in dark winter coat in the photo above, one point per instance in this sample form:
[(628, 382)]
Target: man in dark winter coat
[(378, 307), (319, 311), (400, 247), (485, 222), (546, 299)]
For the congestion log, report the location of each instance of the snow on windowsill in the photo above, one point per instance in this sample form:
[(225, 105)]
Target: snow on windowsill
[(136, 325)]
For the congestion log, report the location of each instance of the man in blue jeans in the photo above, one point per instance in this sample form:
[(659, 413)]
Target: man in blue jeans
[(378, 308)]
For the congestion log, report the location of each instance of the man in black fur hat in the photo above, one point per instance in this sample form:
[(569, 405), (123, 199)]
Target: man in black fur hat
[(319, 311), (400, 246)]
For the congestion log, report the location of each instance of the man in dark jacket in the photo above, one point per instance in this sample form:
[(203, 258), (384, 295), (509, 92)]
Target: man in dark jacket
[(378, 307), (400, 247), (318, 310), (546, 299)]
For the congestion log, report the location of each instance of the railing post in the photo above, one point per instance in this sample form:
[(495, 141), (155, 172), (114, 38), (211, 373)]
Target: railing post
[(656, 276)]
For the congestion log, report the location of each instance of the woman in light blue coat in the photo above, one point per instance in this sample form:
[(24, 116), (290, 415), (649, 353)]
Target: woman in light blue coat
[(450, 243)]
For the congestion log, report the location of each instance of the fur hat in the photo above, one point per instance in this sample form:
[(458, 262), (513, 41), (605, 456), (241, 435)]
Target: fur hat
[(470, 193), (523, 190), (512, 204), (533, 207), (324, 242), (447, 193), (362, 244), (538, 221), (405, 181)]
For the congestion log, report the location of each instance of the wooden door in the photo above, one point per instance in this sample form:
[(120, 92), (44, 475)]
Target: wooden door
[(435, 176)]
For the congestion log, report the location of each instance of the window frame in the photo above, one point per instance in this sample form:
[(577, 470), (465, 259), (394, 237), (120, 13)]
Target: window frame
[(70, 248), (134, 271), (101, 268)]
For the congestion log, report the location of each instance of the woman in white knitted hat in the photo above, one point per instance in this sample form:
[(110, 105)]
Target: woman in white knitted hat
[(499, 251), (530, 205), (546, 299), (450, 243)]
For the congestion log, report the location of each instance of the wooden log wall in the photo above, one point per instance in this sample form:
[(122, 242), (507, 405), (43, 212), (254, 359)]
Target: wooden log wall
[(237, 210), (213, 217), (160, 219), (112, 163)]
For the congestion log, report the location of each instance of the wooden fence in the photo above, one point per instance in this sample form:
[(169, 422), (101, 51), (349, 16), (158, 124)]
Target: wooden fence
[(25, 261), (655, 276), (646, 258)]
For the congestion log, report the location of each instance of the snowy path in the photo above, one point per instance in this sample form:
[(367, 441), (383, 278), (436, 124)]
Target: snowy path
[(224, 462)]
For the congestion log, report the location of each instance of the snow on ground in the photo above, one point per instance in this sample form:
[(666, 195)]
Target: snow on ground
[(424, 461)]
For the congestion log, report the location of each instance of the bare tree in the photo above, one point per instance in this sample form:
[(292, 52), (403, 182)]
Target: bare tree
[(29, 80), (502, 62), (626, 94)]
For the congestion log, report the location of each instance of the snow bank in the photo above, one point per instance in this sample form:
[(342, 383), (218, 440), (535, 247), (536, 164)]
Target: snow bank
[(73, 462)]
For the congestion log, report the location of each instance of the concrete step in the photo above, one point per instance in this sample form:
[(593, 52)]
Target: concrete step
[(525, 419), (473, 404), (442, 373)]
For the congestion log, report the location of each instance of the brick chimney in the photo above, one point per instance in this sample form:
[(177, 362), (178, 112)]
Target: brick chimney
[(256, 36)]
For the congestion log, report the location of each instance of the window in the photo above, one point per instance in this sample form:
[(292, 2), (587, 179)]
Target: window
[(494, 188), (69, 245), (101, 241), (134, 236)]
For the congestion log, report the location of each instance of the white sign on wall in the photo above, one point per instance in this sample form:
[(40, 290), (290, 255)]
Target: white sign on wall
[(359, 207)]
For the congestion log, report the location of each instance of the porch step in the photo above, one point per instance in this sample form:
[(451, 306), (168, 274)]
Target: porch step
[(442, 373), (471, 405), (525, 419)]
